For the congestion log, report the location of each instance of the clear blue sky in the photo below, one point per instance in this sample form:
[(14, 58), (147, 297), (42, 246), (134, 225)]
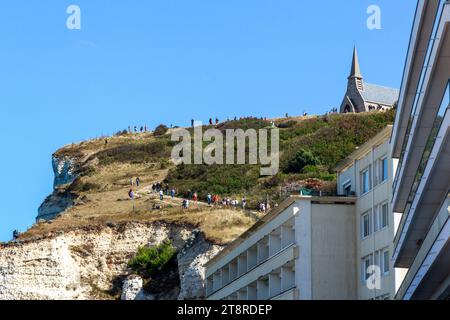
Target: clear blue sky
[(150, 62)]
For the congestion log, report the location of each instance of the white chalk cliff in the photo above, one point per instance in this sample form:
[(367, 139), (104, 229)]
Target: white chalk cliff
[(92, 264)]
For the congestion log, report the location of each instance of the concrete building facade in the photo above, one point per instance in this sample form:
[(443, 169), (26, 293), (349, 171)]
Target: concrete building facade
[(367, 174), (421, 150), (303, 249)]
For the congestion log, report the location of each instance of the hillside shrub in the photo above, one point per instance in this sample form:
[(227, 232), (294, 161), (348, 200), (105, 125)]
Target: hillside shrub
[(136, 153), (160, 130), (150, 260), (302, 159), (288, 124)]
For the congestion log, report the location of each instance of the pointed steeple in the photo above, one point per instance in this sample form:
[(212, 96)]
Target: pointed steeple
[(356, 71)]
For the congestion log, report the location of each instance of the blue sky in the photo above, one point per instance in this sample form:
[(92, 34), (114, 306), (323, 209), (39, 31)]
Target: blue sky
[(150, 62)]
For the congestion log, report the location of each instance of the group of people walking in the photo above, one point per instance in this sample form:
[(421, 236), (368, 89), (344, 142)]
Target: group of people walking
[(264, 207), (136, 182), (137, 129), (163, 190), (214, 200), (373, 108), (133, 182), (211, 122), (211, 199)]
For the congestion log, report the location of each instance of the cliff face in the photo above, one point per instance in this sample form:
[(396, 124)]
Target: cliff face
[(64, 170), (92, 264), (88, 229)]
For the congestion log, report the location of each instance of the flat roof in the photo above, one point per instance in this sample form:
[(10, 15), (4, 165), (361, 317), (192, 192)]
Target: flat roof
[(272, 214)]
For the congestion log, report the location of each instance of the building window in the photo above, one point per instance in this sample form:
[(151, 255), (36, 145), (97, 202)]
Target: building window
[(347, 188), (385, 262), (365, 181), (366, 224), (384, 218), (366, 263), (381, 217), (383, 170)]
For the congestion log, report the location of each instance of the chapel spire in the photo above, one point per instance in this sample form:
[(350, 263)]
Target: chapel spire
[(356, 71)]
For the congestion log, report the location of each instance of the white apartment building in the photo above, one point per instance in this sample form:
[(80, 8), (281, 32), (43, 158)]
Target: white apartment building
[(318, 247), (421, 149), (303, 249), (367, 174)]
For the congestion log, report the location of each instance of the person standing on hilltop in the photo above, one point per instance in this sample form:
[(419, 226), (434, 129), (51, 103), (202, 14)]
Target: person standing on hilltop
[(210, 121), (192, 123)]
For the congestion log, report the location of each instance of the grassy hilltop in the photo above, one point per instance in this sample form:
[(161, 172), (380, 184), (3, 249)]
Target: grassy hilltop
[(309, 147)]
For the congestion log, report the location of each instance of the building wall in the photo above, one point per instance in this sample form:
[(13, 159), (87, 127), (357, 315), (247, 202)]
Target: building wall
[(262, 263), (315, 259), (371, 201), (333, 252)]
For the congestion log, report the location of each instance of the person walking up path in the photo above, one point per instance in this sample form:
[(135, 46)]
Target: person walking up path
[(161, 195)]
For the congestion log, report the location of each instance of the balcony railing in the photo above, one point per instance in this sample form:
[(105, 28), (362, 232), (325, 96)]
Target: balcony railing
[(282, 249), (299, 191), (419, 92), (445, 107)]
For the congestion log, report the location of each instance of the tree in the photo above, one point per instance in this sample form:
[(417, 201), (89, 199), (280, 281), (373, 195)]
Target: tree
[(302, 159)]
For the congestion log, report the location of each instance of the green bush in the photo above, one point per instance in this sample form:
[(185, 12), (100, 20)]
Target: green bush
[(312, 169), (218, 179), (302, 159), (288, 124), (136, 153), (150, 260), (160, 130), (121, 133)]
